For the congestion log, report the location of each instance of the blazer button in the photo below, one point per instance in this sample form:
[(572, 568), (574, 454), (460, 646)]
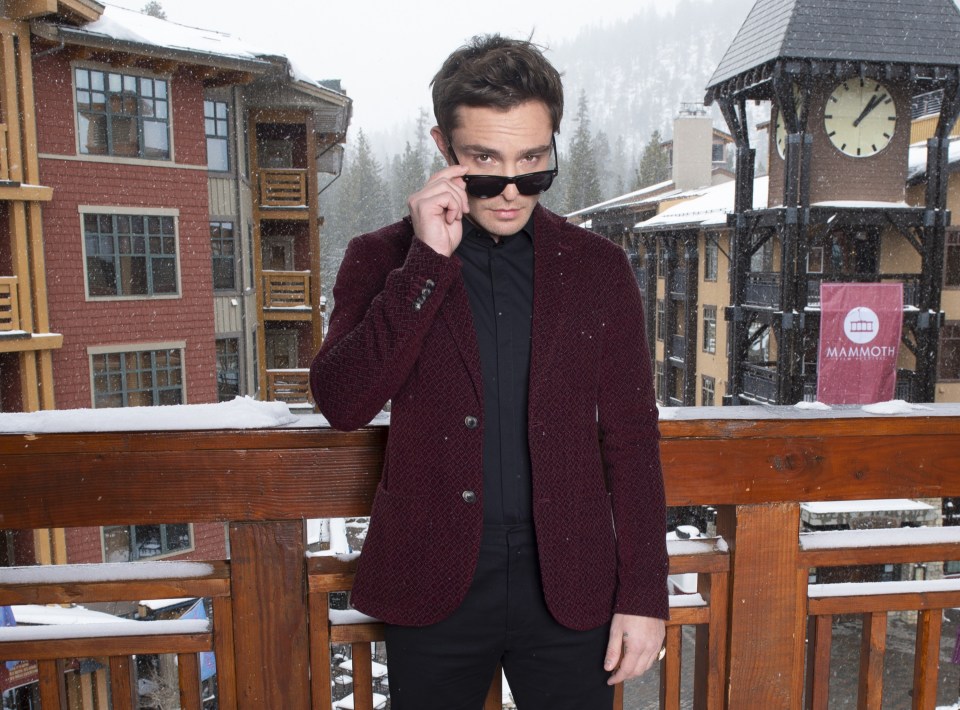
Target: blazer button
[(469, 497), (471, 422)]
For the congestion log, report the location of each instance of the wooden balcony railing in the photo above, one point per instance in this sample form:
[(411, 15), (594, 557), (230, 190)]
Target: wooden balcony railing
[(289, 385), (9, 306), (283, 187), (286, 289), (763, 632)]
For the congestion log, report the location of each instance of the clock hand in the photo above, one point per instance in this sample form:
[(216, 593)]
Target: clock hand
[(871, 104)]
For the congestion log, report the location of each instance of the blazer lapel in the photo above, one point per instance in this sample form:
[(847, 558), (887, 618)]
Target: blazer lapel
[(550, 269), (459, 321)]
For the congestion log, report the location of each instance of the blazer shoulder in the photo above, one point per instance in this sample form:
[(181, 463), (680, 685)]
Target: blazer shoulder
[(393, 239)]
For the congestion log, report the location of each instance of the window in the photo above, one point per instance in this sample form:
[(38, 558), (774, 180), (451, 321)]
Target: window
[(709, 391), (951, 261), (122, 115), (223, 246), (660, 381), (709, 329), (215, 114), (141, 378), (660, 319), (950, 352), (228, 369), (815, 260), (710, 261), (130, 255), (126, 543), (662, 257)]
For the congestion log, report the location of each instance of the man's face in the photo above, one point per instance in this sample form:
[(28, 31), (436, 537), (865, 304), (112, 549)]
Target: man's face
[(491, 141)]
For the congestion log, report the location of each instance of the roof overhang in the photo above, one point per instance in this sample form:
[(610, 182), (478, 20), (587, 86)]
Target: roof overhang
[(70, 10), (77, 37)]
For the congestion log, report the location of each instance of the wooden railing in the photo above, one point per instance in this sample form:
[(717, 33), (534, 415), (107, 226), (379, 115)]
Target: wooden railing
[(271, 624), (286, 289), (289, 385), (9, 306), (285, 187)]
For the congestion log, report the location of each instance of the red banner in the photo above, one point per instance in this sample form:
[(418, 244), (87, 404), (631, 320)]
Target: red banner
[(859, 340)]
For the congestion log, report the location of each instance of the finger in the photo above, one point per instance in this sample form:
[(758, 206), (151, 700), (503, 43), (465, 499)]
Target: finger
[(612, 657), (448, 173), (628, 666)]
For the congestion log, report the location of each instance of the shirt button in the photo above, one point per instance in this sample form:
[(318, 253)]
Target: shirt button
[(471, 422), (429, 283), (469, 497)]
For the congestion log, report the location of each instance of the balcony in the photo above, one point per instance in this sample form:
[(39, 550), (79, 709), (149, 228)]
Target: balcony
[(760, 382), (286, 295), (678, 283), (9, 306), (283, 188), (291, 386), (911, 286), (763, 634), (763, 289), (678, 348)]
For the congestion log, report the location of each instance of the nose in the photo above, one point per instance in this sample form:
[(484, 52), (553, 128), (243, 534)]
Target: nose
[(510, 192)]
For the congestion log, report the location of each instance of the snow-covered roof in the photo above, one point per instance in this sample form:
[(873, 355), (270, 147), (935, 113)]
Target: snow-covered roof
[(628, 199), (834, 507), (917, 160), (708, 207), (119, 28), (37, 614)]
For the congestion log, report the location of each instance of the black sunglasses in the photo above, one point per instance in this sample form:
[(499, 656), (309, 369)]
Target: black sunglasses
[(484, 186)]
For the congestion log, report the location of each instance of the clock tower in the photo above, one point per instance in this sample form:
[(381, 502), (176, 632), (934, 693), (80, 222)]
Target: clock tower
[(840, 76)]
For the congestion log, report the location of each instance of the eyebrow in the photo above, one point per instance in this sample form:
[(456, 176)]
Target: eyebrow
[(477, 148)]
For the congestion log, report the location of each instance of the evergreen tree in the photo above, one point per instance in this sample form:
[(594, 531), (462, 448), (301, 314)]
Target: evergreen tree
[(583, 181), (154, 9), (654, 164)]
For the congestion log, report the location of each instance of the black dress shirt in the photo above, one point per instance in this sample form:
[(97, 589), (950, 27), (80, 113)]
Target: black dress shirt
[(499, 281)]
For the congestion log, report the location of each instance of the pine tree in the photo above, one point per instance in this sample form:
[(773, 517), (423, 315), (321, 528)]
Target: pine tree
[(654, 164), (154, 9), (582, 179)]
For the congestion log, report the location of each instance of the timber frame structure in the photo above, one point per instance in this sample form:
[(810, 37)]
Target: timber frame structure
[(784, 69)]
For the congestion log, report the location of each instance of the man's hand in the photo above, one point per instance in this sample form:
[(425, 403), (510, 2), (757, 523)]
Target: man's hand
[(437, 210), (634, 644)]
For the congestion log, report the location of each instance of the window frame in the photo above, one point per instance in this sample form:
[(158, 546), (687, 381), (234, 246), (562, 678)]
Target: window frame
[(713, 348), (220, 221), (236, 338), (660, 318), (216, 135), (96, 351), (712, 389), (660, 381), (131, 548), (138, 74), (711, 258), (132, 212), (951, 246), (954, 327)]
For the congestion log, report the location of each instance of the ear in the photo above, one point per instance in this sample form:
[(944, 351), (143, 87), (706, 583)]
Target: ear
[(441, 142)]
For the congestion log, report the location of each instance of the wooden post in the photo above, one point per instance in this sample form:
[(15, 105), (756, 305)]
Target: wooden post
[(268, 583), (767, 608)]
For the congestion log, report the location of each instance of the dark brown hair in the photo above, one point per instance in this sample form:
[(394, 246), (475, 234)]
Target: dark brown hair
[(495, 71)]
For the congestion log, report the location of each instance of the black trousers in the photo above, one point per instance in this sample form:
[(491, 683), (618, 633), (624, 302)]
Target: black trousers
[(503, 619)]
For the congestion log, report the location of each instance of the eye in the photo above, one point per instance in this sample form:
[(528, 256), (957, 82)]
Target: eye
[(483, 158)]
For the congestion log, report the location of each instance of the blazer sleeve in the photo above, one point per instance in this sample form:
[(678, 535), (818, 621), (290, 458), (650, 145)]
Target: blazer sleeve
[(380, 318), (630, 445)]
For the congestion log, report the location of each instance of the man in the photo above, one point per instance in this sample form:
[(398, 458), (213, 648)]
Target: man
[(520, 516)]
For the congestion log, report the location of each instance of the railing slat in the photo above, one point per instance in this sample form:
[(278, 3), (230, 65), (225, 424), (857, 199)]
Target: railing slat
[(872, 647), (52, 691), (670, 669), (188, 671), (122, 683), (926, 667), (819, 644), (362, 676), (320, 659), (494, 699), (224, 648)]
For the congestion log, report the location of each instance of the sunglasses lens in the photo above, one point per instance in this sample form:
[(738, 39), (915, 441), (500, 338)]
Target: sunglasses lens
[(535, 183), (484, 186)]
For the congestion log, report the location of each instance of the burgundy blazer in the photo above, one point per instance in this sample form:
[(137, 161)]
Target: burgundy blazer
[(402, 330)]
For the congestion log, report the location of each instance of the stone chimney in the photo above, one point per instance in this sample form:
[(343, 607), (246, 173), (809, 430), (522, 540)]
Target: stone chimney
[(692, 147)]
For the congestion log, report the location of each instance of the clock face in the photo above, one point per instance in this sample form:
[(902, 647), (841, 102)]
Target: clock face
[(860, 117)]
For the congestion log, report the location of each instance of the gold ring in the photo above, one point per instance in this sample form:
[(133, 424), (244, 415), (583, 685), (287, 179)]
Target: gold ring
[(662, 654)]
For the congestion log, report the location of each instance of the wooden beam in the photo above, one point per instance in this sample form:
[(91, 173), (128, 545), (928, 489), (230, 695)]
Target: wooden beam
[(84, 11), (49, 649), (30, 9)]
